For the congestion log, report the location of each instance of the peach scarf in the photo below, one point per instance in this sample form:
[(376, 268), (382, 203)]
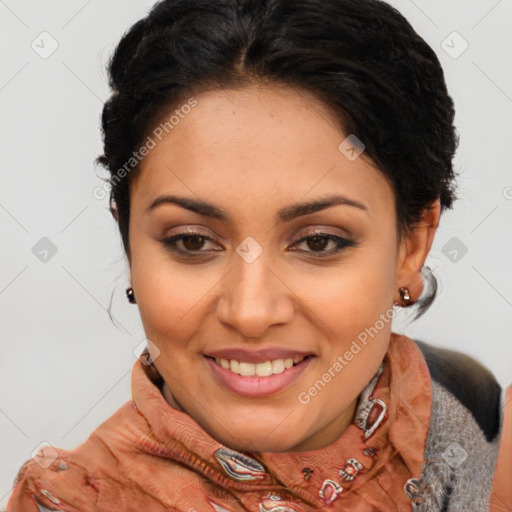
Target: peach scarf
[(151, 457)]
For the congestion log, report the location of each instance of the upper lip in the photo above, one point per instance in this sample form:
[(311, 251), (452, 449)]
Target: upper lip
[(256, 356)]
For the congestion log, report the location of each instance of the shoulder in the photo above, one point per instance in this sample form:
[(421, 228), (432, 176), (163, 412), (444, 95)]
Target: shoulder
[(465, 432), (470, 382), (70, 479), (43, 483)]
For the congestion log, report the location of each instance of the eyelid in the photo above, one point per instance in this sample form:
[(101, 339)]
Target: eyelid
[(297, 237), (183, 234), (320, 230), (192, 231)]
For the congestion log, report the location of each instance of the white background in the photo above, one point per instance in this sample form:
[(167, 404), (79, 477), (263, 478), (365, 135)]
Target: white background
[(65, 367)]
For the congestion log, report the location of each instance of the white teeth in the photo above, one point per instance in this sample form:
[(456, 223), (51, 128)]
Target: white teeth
[(278, 366), (264, 369), (247, 369)]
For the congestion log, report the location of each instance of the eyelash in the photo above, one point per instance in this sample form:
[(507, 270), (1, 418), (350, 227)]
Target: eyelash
[(342, 243)]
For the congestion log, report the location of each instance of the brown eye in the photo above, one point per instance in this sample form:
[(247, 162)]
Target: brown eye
[(187, 244), (318, 242), (193, 242)]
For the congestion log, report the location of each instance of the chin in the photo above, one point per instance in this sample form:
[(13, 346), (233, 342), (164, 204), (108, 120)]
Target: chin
[(256, 430), (260, 441), (259, 445)]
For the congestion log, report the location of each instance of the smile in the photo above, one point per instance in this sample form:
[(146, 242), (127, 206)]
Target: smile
[(258, 379)]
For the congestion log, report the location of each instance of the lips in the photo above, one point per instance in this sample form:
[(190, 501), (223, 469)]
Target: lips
[(236, 368), (257, 386)]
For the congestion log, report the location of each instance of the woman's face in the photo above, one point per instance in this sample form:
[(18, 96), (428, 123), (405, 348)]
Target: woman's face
[(262, 278)]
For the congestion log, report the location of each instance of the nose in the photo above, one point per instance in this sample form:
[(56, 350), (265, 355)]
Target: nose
[(254, 298)]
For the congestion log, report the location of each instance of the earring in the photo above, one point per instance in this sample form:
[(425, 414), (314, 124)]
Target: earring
[(131, 296), (404, 295)]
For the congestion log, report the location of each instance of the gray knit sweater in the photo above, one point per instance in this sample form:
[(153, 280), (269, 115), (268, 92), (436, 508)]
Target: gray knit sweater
[(464, 435)]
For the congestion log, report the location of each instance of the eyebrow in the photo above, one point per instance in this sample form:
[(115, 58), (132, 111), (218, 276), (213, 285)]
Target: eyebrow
[(286, 214)]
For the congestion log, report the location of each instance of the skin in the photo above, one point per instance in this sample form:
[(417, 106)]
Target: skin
[(253, 151)]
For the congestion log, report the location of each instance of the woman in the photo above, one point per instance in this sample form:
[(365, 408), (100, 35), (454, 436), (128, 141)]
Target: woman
[(278, 173)]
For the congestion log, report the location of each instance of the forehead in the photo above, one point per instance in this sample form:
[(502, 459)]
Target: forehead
[(260, 145)]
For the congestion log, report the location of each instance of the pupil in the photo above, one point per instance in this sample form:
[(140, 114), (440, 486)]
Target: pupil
[(196, 238), (314, 241)]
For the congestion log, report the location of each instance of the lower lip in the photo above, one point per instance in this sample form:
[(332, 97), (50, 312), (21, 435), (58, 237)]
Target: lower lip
[(258, 386)]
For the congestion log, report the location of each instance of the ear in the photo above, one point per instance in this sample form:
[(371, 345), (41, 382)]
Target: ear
[(413, 252), (113, 209), (115, 213)]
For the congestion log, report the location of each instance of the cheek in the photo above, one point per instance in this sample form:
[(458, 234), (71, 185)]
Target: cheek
[(164, 294), (377, 273), (354, 294)]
